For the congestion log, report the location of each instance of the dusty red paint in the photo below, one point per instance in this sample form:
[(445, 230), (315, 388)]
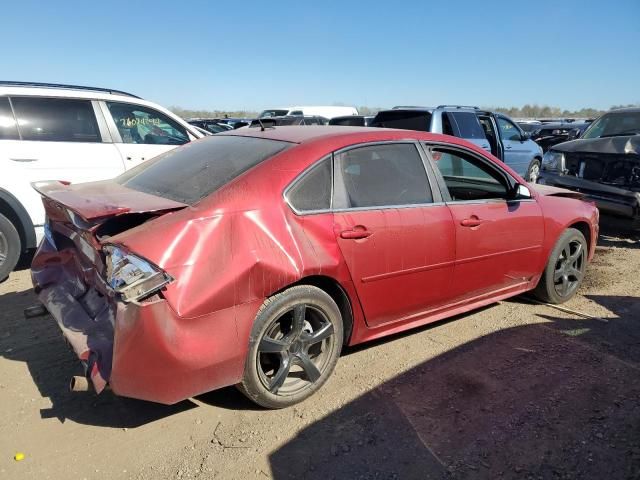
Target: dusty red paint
[(243, 243)]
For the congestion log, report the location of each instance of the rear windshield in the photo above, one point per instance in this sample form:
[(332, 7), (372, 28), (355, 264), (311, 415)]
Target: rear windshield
[(409, 120), (195, 170)]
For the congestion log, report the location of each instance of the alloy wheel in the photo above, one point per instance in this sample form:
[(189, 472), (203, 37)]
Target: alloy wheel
[(295, 350), (569, 268), (534, 173)]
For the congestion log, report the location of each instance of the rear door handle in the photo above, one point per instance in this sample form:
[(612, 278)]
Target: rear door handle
[(472, 221), (24, 160), (508, 147), (357, 232)]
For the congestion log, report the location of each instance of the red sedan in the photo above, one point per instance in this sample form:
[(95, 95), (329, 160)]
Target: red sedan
[(251, 257)]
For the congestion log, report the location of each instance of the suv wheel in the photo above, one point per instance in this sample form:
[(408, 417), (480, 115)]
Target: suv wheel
[(534, 171), (9, 247)]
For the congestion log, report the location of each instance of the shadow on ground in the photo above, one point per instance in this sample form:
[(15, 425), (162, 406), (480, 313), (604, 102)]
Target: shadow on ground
[(537, 401), (39, 343)]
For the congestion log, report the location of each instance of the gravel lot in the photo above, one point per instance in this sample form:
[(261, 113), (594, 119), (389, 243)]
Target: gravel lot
[(515, 390)]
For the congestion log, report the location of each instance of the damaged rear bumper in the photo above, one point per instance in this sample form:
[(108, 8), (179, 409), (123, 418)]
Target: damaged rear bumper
[(141, 350)]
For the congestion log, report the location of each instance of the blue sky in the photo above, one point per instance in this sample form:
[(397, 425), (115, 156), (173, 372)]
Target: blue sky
[(249, 55)]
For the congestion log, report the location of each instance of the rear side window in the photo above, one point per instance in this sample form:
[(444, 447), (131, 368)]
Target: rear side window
[(468, 125), (192, 172), (138, 124), (313, 190), (381, 175), (8, 129), (56, 119), (408, 120)]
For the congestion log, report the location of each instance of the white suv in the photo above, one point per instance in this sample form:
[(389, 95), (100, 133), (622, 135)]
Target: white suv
[(72, 134)]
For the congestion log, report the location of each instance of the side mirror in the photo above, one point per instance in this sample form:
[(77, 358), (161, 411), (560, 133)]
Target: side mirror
[(573, 134), (525, 136), (520, 192)]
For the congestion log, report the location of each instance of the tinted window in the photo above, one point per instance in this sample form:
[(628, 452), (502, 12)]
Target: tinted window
[(508, 130), (56, 119), (313, 191), (381, 175), (467, 177), (468, 125), (8, 130), (352, 121), (408, 120), (138, 124), (192, 172)]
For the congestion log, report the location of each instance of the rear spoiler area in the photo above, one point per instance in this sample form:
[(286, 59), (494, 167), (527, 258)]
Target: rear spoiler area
[(104, 199)]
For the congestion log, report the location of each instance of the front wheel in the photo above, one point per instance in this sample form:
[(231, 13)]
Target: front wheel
[(294, 346), (534, 171), (565, 268)]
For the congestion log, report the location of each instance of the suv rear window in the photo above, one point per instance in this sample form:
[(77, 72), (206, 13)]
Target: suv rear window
[(468, 125), (409, 120), (195, 170)]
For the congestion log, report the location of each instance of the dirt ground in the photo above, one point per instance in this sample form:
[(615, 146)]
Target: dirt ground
[(515, 390)]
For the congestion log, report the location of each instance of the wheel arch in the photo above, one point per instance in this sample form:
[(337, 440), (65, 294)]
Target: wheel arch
[(11, 208), (584, 228), (339, 295)]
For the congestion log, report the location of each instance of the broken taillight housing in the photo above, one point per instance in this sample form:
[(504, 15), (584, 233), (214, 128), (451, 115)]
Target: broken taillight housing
[(133, 277)]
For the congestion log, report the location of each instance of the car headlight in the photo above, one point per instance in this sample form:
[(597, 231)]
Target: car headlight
[(131, 276), (553, 161)]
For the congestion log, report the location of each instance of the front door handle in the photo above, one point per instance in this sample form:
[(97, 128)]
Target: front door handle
[(23, 160), (472, 221), (508, 147), (355, 233)]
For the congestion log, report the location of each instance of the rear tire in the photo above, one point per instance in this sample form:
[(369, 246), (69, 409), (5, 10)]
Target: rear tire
[(565, 268), (10, 247), (533, 172), (293, 348)]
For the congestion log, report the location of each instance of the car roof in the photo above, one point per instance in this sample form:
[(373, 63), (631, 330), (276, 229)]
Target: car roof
[(625, 110), (341, 134)]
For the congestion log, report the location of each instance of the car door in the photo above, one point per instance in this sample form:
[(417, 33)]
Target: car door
[(142, 132), (59, 139), (516, 150), (395, 233), (498, 235), (466, 125)]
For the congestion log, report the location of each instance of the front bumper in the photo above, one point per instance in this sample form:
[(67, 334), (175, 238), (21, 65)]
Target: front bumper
[(142, 350), (608, 199)]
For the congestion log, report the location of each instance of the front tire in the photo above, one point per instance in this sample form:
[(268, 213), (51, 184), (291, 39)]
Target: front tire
[(293, 348), (565, 268), (10, 247), (533, 172)]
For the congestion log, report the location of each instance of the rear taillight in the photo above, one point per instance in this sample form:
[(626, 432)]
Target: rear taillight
[(133, 277)]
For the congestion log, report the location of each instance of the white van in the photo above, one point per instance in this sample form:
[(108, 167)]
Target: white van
[(320, 111), (72, 134)]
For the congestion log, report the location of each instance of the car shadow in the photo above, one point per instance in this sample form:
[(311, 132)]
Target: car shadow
[(615, 232), (39, 344), (534, 401)]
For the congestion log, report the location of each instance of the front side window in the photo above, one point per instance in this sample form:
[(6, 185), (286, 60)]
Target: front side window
[(468, 125), (508, 130), (56, 119), (138, 124), (8, 129), (468, 178), (381, 175), (313, 190), (196, 170)]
